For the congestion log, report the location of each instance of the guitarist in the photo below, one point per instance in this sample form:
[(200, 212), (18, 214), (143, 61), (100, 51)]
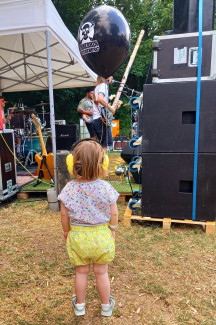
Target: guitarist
[(85, 108), (101, 122)]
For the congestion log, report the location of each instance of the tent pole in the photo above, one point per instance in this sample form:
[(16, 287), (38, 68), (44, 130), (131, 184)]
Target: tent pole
[(52, 112)]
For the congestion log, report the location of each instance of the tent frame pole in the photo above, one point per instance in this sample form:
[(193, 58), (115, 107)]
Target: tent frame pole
[(52, 111)]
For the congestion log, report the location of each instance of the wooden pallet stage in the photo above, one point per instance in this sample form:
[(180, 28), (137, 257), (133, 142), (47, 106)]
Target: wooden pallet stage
[(208, 226), (124, 197)]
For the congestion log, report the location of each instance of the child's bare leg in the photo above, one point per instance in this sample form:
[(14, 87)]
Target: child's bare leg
[(81, 279), (102, 281)]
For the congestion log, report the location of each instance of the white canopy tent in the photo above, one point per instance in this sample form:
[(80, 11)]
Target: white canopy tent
[(38, 52), (23, 51)]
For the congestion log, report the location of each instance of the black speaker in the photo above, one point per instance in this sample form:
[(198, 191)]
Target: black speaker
[(167, 186), (68, 130), (169, 117), (66, 135), (185, 16), (127, 153)]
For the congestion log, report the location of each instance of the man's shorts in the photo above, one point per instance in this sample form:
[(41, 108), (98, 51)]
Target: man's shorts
[(93, 244)]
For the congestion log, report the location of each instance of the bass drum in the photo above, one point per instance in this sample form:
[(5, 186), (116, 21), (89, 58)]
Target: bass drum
[(26, 145)]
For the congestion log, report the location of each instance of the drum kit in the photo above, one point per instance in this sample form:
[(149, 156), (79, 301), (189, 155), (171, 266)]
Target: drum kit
[(27, 141)]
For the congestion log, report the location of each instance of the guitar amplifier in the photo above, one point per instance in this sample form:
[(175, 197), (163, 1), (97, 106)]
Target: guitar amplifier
[(175, 57), (66, 135), (8, 173)]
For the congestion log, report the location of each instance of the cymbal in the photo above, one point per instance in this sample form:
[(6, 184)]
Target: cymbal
[(23, 112), (41, 104)]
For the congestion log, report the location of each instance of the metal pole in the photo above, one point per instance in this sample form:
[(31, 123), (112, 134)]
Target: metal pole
[(199, 74), (52, 112)]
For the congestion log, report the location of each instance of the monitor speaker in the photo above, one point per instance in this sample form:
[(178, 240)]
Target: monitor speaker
[(127, 153)]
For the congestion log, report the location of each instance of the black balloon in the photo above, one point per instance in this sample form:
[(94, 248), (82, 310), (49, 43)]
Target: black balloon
[(104, 40)]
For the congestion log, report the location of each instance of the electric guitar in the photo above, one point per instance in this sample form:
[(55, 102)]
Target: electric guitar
[(106, 114), (46, 171), (87, 118)]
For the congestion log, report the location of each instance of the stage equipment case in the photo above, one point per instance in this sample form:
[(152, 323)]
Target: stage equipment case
[(8, 174), (175, 57)]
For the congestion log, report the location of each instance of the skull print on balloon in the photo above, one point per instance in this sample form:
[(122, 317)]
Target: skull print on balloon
[(104, 40), (87, 32)]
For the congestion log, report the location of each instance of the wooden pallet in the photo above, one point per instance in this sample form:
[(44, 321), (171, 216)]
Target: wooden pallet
[(26, 194), (124, 197), (208, 226)]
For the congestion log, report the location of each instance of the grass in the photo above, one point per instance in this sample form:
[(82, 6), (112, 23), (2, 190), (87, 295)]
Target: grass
[(157, 277), (40, 187)]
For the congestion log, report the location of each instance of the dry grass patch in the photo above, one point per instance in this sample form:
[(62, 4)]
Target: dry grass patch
[(157, 277)]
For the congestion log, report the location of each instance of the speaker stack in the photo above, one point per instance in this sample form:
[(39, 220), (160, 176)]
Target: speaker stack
[(169, 117)]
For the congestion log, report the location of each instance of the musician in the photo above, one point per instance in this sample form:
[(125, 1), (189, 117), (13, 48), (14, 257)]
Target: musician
[(85, 108), (103, 126), (3, 103)]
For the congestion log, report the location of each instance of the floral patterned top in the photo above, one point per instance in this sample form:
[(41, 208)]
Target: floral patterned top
[(88, 204)]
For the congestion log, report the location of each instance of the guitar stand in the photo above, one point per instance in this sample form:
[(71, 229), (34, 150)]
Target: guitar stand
[(40, 175)]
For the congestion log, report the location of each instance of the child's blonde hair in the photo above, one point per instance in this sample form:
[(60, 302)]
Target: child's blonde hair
[(88, 159)]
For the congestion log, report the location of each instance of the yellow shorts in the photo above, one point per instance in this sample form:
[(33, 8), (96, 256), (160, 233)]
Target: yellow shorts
[(90, 244)]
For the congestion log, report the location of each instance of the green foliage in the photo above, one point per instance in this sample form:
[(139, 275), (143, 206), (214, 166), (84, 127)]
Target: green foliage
[(154, 16)]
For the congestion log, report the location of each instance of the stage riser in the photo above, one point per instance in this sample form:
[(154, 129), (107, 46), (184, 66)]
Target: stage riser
[(167, 186), (169, 117)]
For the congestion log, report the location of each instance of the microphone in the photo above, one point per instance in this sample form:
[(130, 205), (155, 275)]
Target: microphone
[(115, 82)]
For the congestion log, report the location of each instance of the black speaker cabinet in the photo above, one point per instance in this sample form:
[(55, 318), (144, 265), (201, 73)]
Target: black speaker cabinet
[(66, 135), (167, 186), (169, 117), (68, 130), (185, 15)]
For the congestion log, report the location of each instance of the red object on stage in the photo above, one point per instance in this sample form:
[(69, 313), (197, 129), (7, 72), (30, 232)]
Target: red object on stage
[(1, 118)]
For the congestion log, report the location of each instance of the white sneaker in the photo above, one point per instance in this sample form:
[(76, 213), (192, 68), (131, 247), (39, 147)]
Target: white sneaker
[(79, 309), (106, 310)]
